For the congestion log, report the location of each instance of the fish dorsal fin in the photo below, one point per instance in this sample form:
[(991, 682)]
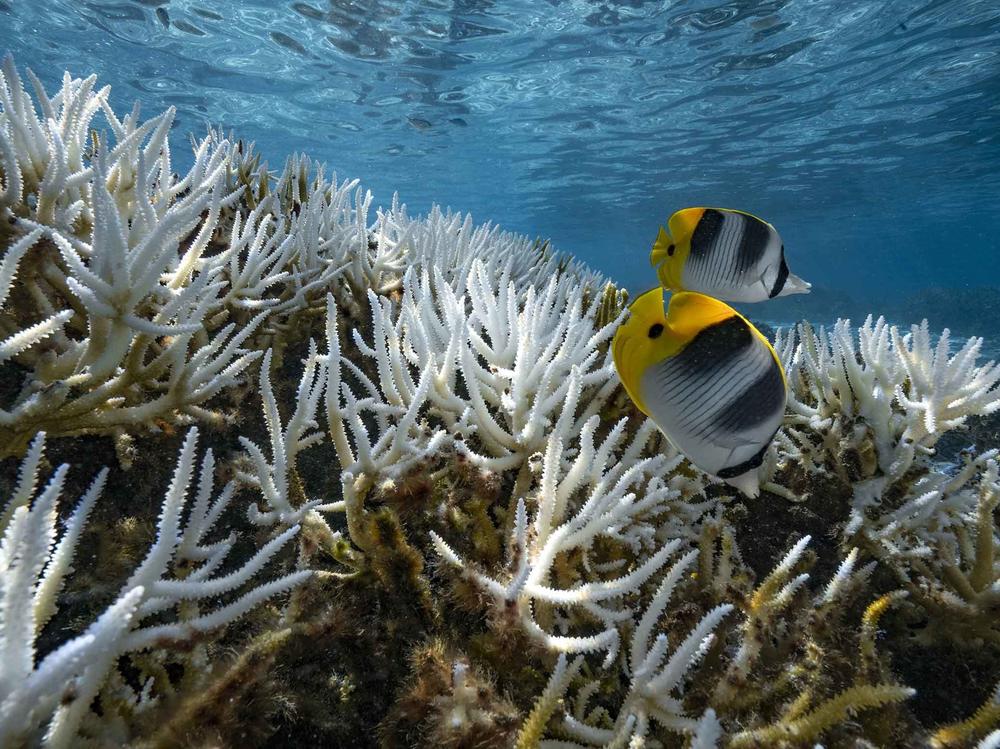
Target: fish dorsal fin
[(648, 305), (746, 213), (683, 222), (766, 342), (690, 313)]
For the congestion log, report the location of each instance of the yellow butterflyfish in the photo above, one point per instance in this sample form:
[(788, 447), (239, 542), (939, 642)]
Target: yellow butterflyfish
[(708, 378), (724, 253)]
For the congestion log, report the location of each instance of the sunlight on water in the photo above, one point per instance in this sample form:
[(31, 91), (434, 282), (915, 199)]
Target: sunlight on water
[(869, 133)]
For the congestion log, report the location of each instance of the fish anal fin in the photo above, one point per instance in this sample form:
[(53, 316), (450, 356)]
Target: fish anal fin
[(748, 483)]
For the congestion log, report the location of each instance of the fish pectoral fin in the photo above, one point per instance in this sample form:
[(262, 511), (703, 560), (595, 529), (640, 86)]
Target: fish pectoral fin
[(734, 442), (764, 285)]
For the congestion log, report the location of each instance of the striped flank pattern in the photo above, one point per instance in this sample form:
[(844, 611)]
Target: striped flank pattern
[(720, 399), (735, 256)]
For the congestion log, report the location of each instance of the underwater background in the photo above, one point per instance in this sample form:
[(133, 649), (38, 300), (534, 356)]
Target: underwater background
[(283, 464), (868, 133)]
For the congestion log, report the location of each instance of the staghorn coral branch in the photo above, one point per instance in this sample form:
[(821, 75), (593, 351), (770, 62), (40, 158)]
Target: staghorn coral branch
[(609, 506), (959, 734), (811, 725), (533, 727), (276, 479)]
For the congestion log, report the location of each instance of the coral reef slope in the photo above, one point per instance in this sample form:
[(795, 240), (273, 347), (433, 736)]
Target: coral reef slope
[(347, 476)]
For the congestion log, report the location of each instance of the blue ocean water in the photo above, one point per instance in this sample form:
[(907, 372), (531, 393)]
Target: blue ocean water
[(867, 132)]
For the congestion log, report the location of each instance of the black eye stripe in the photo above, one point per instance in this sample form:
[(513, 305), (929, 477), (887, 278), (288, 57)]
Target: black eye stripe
[(655, 330), (670, 250)]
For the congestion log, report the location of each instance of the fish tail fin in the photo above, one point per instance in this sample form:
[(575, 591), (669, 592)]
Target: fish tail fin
[(748, 483), (795, 285), (659, 252)]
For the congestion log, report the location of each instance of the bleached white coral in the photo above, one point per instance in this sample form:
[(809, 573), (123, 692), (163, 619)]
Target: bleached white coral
[(451, 243), (274, 478), (512, 377), (870, 408), (609, 508), (104, 249), (708, 732), (43, 156), (894, 389), (142, 284), (455, 355), (653, 678), (46, 700), (990, 742), (489, 362)]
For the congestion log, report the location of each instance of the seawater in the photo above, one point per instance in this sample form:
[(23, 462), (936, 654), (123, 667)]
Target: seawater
[(867, 132)]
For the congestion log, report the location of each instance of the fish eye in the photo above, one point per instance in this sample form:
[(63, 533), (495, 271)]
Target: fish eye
[(655, 330), (670, 250)]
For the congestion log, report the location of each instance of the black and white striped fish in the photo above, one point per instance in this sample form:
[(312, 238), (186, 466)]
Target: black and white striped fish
[(708, 378), (723, 253)]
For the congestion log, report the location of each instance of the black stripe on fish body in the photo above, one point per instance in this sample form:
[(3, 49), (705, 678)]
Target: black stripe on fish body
[(747, 465), (713, 347), (753, 244), (704, 239), (695, 389), (705, 233), (723, 398), (688, 379), (711, 258), (705, 396), (702, 408), (779, 282), (761, 400)]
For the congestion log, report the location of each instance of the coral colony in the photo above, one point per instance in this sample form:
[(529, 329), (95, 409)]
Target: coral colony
[(450, 527)]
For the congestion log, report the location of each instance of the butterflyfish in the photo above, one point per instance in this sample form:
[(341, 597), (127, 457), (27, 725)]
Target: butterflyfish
[(708, 378), (727, 254)]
